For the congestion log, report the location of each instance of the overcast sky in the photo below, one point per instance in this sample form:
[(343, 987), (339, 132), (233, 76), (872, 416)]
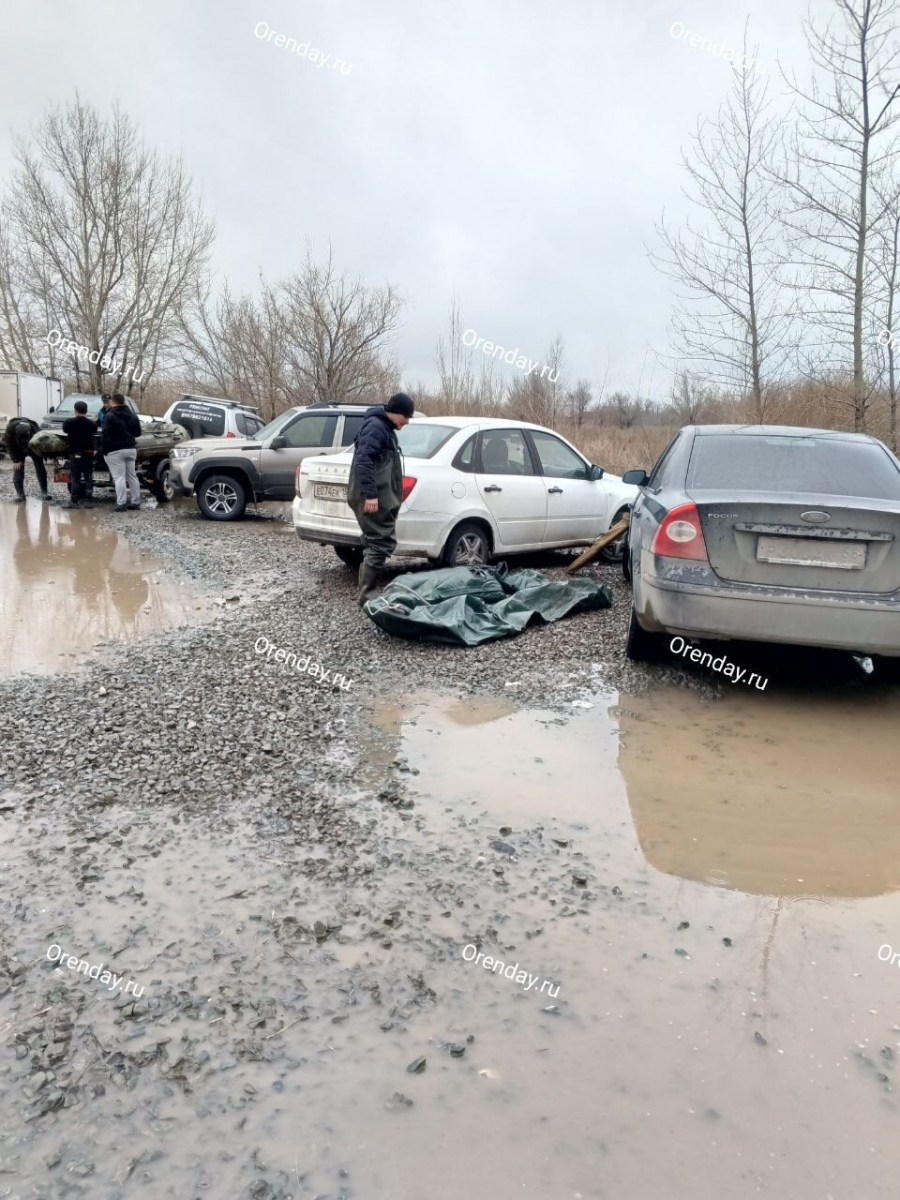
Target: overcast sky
[(516, 153)]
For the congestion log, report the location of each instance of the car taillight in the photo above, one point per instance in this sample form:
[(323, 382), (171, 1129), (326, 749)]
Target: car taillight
[(297, 481), (680, 535), (409, 482), (231, 435)]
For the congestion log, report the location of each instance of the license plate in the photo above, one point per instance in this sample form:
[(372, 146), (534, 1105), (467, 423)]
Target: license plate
[(331, 491), (62, 477), (812, 552)]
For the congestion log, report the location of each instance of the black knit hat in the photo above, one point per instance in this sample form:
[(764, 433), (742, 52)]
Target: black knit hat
[(400, 403)]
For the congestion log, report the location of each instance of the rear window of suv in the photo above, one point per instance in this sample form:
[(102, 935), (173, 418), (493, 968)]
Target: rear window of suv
[(828, 466), (210, 419), (418, 440)]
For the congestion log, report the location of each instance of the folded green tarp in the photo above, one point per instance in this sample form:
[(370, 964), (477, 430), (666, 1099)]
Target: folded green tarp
[(469, 605)]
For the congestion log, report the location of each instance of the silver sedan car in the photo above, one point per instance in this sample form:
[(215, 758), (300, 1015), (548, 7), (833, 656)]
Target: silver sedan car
[(767, 533)]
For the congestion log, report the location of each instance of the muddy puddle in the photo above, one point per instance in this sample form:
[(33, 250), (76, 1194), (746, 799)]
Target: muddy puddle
[(67, 586), (702, 939)]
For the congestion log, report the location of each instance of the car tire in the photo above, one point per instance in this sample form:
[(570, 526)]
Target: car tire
[(467, 546), (161, 487), (641, 646), (222, 497), (615, 552), (350, 555)]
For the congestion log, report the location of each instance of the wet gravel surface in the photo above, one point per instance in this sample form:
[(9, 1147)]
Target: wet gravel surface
[(240, 842)]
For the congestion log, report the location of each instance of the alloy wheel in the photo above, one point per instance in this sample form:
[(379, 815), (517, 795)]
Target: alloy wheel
[(470, 551), (221, 498)]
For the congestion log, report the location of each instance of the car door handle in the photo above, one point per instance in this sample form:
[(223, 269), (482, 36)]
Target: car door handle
[(492, 487), (553, 491)]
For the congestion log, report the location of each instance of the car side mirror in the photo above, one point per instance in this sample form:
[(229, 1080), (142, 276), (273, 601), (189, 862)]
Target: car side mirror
[(278, 443), (52, 408), (596, 473), (638, 478)]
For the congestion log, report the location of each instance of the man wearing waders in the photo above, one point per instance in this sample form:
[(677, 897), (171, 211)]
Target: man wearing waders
[(19, 433), (375, 486)]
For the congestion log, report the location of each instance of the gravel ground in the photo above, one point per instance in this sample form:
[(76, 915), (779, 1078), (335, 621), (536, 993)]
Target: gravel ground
[(188, 759)]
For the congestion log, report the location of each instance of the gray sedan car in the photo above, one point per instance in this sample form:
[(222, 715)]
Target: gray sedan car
[(767, 533)]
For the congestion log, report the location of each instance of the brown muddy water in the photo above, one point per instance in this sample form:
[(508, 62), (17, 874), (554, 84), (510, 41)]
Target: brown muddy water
[(67, 584)]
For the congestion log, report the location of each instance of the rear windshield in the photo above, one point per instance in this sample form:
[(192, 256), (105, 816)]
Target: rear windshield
[(418, 440), (208, 421), (828, 466)]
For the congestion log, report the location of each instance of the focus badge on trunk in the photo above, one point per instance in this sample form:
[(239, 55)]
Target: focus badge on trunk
[(815, 517)]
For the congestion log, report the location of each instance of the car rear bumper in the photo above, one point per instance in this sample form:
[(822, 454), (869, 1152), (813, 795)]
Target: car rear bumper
[(418, 534), (860, 624)]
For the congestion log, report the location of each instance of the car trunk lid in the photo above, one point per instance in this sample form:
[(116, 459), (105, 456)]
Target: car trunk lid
[(817, 542)]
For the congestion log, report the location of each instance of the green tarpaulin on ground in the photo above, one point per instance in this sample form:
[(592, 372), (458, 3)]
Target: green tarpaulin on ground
[(464, 606)]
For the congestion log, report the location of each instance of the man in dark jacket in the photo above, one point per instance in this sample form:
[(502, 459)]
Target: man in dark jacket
[(120, 428), (375, 487), (18, 434), (80, 432)]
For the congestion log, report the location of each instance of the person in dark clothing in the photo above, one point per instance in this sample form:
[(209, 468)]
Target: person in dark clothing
[(120, 428), (375, 487), (18, 434), (105, 404), (80, 431)]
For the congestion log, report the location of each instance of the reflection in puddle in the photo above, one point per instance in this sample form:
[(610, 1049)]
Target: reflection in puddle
[(66, 584), (791, 796)]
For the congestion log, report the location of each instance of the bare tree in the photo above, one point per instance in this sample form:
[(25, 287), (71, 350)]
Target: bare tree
[(689, 398), (886, 255), (578, 401), (839, 150), (336, 328), (101, 241), (730, 317), (454, 365), (539, 397)]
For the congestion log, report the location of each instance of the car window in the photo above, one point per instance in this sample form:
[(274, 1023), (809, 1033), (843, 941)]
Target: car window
[(418, 440), (352, 426), (558, 460), (781, 463), (465, 458), (246, 424), (659, 476), (505, 452), (312, 430), (205, 417)]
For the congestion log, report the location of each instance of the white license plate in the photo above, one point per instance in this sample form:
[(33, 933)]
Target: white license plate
[(331, 491), (812, 552)]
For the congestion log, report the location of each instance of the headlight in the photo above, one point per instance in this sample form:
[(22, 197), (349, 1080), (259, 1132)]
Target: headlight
[(184, 451)]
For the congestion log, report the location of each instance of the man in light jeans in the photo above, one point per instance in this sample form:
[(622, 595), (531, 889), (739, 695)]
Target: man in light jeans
[(120, 428)]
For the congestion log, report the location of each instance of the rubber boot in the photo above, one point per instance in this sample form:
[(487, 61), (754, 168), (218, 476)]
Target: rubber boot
[(368, 583), (19, 485)]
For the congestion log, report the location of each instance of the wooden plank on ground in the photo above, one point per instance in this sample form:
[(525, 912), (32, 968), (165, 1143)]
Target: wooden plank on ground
[(593, 550)]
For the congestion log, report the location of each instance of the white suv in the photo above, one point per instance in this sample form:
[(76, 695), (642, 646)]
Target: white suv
[(474, 488), (207, 416)]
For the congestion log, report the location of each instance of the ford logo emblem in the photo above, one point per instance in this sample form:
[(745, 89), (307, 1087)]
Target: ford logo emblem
[(815, 517)]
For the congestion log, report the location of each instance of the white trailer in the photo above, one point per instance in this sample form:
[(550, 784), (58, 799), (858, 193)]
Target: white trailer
[(24, 395)]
